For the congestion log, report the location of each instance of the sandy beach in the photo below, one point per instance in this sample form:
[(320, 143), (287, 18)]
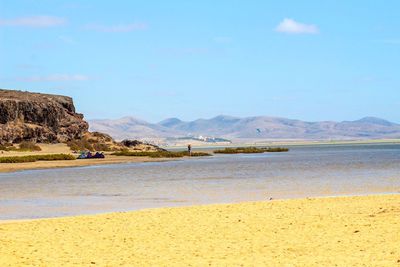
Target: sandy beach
[(11, 167), (63, 148), (341, 231)]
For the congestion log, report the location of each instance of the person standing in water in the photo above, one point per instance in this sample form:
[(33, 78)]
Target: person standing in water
[(190, 149)]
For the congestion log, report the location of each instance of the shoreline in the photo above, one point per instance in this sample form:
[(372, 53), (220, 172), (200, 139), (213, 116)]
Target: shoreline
[(348, 231), (110, 159), (42, 165), (339, 196), (294, 143)]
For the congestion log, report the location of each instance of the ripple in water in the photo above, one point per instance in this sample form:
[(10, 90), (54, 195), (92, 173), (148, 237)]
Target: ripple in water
[(302, 172)]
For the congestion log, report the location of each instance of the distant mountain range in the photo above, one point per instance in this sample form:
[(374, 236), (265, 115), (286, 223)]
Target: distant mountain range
[(260, 127)]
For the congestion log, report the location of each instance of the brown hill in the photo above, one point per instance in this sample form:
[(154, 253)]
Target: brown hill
[(255, 128)]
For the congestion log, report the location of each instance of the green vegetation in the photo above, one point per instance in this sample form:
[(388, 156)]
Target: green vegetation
[(33, 158), (160, 154), (249, 150), (25, 146), (277, 149)]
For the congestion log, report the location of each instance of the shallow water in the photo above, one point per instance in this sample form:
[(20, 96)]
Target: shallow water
[(306, 171)]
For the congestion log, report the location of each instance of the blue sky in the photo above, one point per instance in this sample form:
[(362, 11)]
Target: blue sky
[(309, 60)]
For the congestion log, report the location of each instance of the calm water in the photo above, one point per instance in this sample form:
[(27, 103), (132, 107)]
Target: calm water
[(302, 172)]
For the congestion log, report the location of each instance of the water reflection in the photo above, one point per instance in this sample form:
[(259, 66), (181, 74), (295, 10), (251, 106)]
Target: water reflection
[(302, 172)]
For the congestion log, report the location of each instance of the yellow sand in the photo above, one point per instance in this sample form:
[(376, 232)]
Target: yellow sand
[(349, 231)]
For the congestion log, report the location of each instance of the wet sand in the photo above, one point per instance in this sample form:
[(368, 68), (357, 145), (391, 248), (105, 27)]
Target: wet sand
[(342, 231)]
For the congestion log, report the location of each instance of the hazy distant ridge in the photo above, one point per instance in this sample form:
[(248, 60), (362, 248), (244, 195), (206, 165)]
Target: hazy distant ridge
[(259, 127)]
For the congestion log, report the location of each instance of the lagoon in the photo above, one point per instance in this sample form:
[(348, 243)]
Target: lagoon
[(304, 171)]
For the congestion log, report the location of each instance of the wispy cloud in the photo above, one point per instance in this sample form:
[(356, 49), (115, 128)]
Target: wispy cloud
[(222, 39), (164, 93), (34, 21), (365, 79), (55, 78), (291, 26), (66, 39), (186, 51), (389, 41), (27, 66), (117, 28)]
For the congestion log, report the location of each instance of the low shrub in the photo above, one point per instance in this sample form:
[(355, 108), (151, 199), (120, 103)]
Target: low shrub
[(34, 158), (101, 147), (102, 137), (6, 147), (277, 149), (249, 150), (131, 143), (23, 146), (80, 144), (90, 144), (28, 146)]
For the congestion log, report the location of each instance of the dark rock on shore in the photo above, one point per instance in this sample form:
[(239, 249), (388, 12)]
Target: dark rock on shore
[(138, 145), (36, 117)]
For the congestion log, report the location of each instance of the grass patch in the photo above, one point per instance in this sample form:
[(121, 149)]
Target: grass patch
[(28, 146), (160, 154), (249, 150), (34, 158)]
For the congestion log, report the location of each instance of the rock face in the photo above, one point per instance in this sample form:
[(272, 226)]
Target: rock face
[(26, 116)]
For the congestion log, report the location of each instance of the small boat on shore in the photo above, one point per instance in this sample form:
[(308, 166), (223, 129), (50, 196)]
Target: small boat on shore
[(90, 155)]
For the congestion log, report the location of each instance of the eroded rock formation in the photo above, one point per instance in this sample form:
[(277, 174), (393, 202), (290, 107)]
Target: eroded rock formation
[(39, 118)]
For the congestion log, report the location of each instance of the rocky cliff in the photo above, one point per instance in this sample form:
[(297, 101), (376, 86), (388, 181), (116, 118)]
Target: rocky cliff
[(39, 118)]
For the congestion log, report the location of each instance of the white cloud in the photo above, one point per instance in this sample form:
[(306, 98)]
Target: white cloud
[(117, 28), (55, 78), (293, 27), (34, 21)]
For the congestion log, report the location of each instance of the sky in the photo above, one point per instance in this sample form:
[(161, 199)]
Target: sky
[(308, 60)]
